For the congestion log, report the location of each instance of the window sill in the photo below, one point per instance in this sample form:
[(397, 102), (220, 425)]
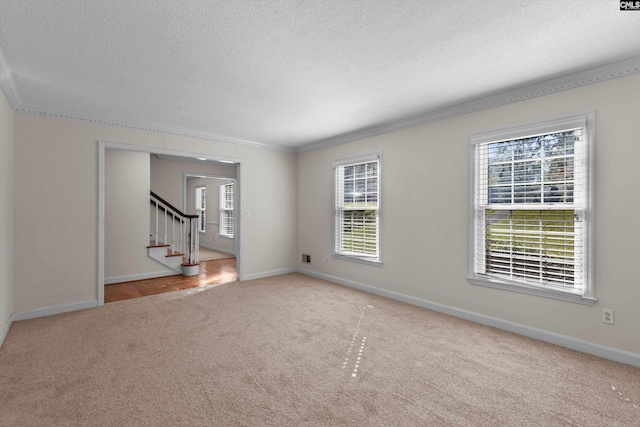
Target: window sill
[(531, 290), (222, 236), (361, 260)]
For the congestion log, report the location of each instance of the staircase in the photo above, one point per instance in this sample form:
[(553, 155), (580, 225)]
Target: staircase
[(174, 238)]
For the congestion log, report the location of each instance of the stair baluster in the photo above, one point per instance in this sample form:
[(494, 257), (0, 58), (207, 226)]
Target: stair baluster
[(188, 237)]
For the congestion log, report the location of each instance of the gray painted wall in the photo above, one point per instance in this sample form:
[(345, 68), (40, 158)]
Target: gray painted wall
[(424, 217), (127, 184), (66, 153), (6, 212)]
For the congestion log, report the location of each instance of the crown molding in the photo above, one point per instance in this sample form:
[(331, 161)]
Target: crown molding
[(99, 120), (7, 84), (558, 84), (546, 87)]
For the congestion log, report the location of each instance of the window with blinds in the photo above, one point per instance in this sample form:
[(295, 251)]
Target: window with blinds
[(226, 210), (357, 204), (531, 207), (201, 208)]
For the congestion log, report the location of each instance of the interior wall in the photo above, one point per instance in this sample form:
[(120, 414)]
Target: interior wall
[(6, 212), (56, 168), (127, 184), (211, 238), (425, 214)]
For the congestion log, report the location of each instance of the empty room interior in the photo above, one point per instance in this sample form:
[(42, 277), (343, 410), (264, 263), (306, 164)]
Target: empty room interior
[(426, 209)]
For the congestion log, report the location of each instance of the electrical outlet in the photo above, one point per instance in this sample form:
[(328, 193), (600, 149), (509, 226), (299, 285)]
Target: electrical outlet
[(326, 260), (607, 316)]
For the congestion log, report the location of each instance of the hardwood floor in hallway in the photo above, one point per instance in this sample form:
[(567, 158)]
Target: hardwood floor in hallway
[(211, 273)]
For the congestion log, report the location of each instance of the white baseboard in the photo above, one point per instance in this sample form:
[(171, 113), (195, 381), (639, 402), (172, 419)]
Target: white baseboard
[(50, 311), (142, 276), (213, 248), (605, 352), (268, 274), (42, 312), (5, 331)]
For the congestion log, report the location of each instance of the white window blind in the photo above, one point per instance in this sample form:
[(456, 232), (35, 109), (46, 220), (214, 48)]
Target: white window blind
[(202, 221), (226, 210), (357, 204), (201, 198), (530, 207), (201, 206)]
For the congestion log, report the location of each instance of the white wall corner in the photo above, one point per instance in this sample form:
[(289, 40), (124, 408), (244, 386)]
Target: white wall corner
[(5, 331), (615, 354), (7, 83), (42, 312)]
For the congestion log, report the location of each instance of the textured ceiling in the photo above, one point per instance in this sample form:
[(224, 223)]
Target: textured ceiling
[(291, 73)]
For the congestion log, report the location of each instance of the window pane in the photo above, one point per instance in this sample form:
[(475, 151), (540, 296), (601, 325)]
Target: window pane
[(515, 169), (527, 193), (527, 172), (372, 185), (559, 169), (500, 152), (500, 173), (500, 194), (372, 169), (349, 172), (560, 144), (528, 148), (347, 196)]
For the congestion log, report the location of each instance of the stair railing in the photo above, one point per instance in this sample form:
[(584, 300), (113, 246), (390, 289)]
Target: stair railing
[(179, 230)]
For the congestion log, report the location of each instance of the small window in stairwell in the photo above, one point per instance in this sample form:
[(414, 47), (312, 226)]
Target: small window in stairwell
[(201, 208), (226, 210)]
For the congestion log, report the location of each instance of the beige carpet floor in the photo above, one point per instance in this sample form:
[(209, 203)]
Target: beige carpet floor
[(296, 351), (205, 254)]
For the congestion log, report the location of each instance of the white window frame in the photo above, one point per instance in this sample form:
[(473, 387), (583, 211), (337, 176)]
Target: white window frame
[(226, 211), (584, 209), (201, 207), (337, 229)]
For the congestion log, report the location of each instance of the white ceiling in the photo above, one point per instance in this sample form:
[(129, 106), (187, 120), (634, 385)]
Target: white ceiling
[(288, 72)]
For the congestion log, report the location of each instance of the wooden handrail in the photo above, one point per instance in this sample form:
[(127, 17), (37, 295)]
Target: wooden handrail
[(170, 206)]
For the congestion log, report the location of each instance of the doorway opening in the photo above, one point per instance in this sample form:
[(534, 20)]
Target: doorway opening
[(212, 198), (222, 253)]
